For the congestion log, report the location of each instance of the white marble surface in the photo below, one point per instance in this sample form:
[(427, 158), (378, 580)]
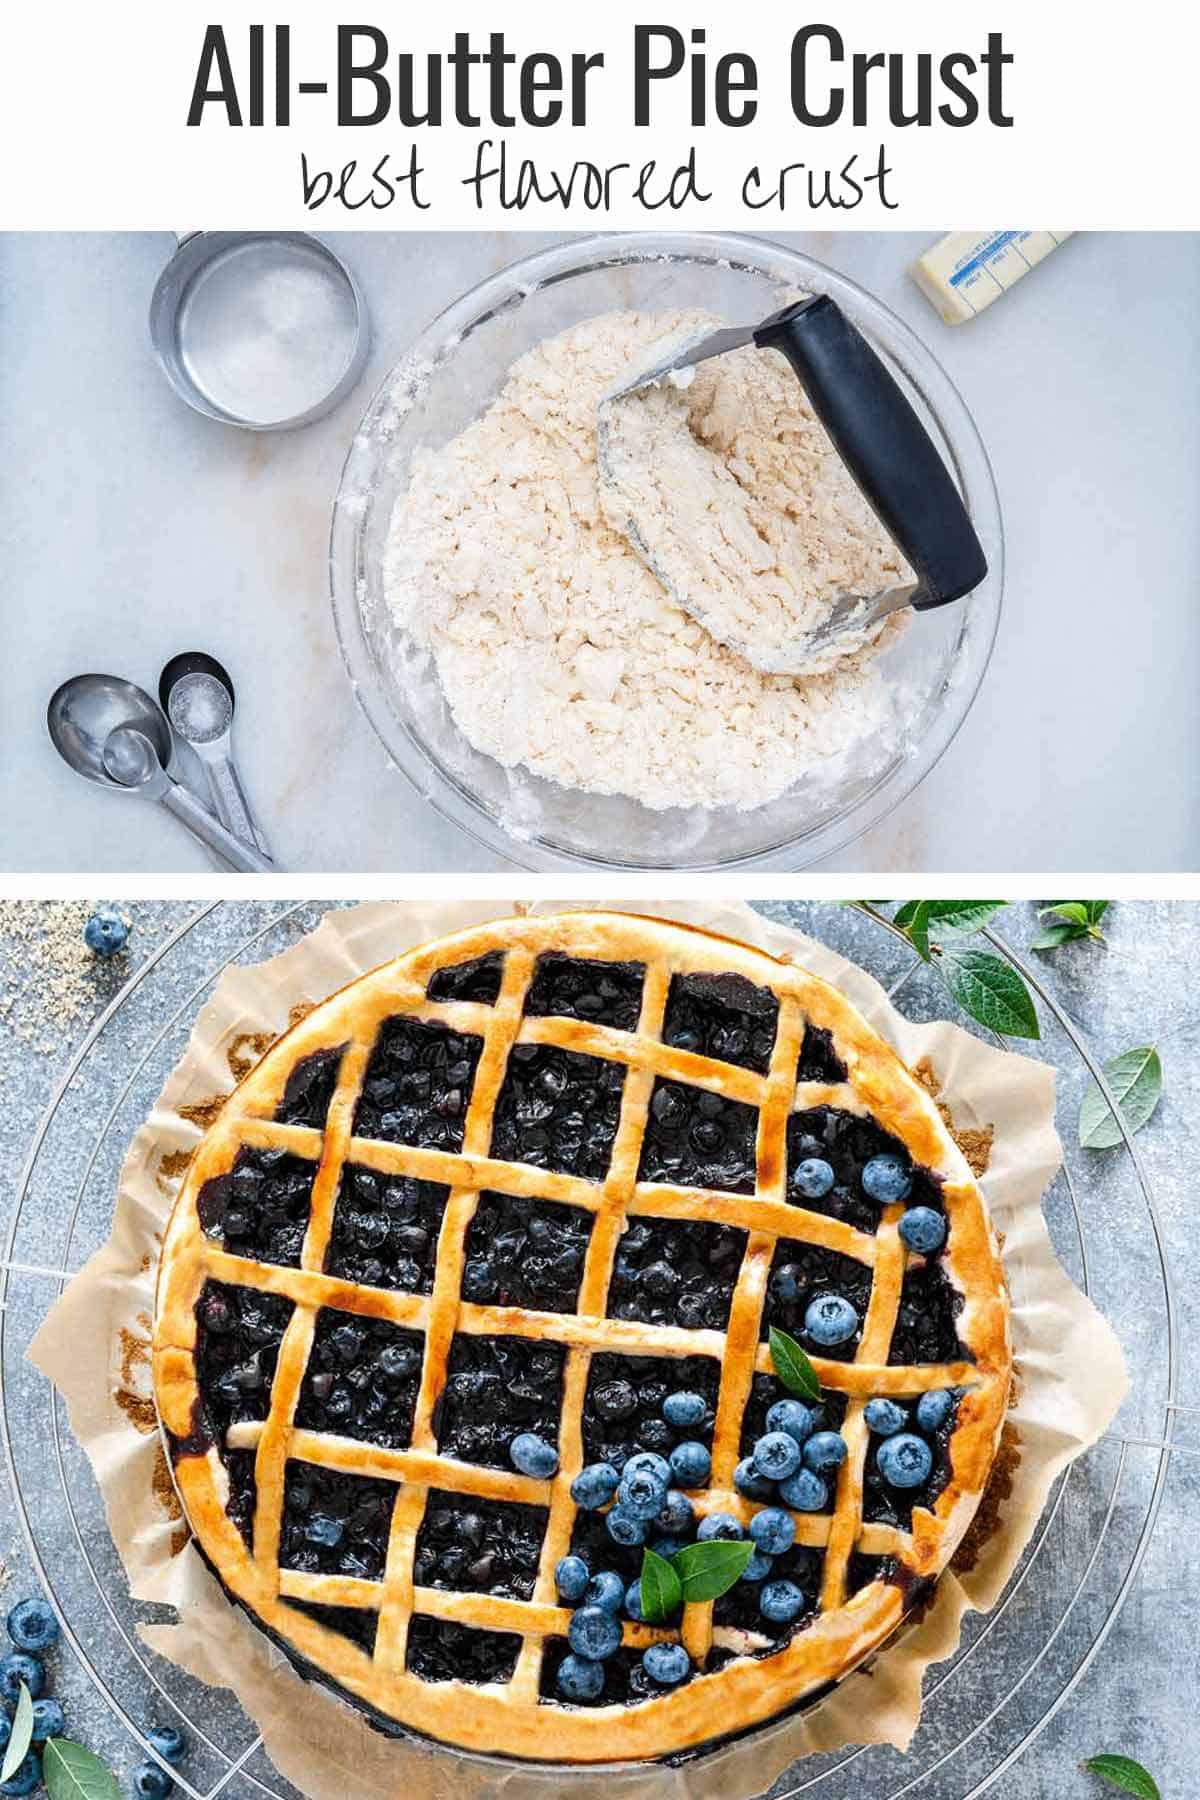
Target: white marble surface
[(130, 529)]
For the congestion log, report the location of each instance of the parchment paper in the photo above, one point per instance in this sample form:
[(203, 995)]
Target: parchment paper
[(94, 1347)]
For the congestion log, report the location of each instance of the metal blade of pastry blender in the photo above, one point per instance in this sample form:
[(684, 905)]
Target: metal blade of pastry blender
[(883, 444)]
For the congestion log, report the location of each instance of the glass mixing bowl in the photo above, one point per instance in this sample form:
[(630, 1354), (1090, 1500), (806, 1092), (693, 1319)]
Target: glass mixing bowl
[(449, 376)]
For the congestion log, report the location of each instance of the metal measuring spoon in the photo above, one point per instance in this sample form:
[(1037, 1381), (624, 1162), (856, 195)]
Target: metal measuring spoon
[(132, 760), (197, 696)]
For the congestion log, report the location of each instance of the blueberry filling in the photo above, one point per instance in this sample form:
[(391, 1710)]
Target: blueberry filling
[(440, 1650), (527, 1253), (799, 1274), (676, 1273), (479, 1546), (243, 1491), (818, 1060), (722, 1016), (926, 1325), (237, 1346), (260, 1208), (361, 1380), (847, 1143), (359, 1624), (558, 1110), (385, 1231), (496, 1387), (477, 980), (599, 993), (624, 1681), (310, 1088), (418, 1085), (333, 1523), (862, 1570), (739, 1607), (590, 1539), (622, 1407), (697, 1139), (884, 1504)]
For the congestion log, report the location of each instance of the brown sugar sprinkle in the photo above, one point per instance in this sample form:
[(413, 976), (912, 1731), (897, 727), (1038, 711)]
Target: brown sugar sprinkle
[(203, 1113), (976, 1145), (300, 1011), (172, 1166), (52, 980), (247, 1050), (137, 1409), (988, 1515)]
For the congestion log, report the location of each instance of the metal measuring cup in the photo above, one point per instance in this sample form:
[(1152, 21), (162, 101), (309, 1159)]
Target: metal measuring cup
[(265, 330)]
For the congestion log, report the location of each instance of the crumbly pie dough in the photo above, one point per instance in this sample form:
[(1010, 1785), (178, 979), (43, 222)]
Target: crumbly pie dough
[(317, 1071), (559, 651)]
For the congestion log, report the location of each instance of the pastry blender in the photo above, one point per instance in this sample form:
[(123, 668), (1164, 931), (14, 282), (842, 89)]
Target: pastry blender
[(883, 444)]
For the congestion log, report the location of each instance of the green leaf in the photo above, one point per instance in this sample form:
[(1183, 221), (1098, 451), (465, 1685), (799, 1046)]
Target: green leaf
[(1122, 1772), (961, 915), (708, 1570), (1136, 1080), (1054, 935), (73, 1773), (21, 1737), (1073, 911), (661, 1590), (904, 915), (792, 1366), (1096, 910), (918, 930), (991, 991)]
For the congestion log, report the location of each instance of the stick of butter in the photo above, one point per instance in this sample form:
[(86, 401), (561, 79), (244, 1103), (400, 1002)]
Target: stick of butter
[(966, 271)]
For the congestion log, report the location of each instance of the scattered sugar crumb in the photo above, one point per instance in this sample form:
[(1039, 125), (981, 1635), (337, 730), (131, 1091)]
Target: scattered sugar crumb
[(48, 976)]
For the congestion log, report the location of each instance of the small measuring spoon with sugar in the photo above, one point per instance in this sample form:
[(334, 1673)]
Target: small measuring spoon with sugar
[(197, 696)]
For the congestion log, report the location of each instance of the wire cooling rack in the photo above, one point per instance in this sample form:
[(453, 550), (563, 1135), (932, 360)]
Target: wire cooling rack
[(1014, 1669)]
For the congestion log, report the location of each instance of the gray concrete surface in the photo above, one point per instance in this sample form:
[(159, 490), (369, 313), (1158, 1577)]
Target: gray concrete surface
[(1138, 1697), (131, 529)]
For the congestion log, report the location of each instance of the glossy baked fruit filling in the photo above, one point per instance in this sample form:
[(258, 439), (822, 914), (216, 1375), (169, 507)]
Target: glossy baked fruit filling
[(676, 1273), (361, 1380), (598, 993), (260, 1209), (722, 1016), (527, 1253), (695, 1138), (495, 1388), (558, 1110), (418, 1085), (309, 1089), (478, 980), (385, 1231), (478, 1546), (846, 1143)]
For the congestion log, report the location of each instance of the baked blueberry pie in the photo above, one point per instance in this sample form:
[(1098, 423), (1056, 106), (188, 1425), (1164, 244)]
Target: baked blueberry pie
[(467, 1325)]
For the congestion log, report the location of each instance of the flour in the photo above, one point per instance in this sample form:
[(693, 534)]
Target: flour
[(557, 648)]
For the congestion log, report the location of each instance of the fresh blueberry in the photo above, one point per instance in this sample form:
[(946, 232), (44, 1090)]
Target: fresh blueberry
[(813, 1178), (151, 1782), (824, 1451), (923, 1230), (830, 1319), (667, 1664), (776, 1455), (605, 1590), (884, 1417), (691, 1464), (20, 1667), (49, 1720), (933, 1409), (758, 1568), (578, 1679), (641, 1493), (886, 1179), (325, 1531), (748, 1481), (532, 1455), (718, 1525), (904, 1461), (33, 1625), (781, 1602), (594, 1633), (773, 1531), (106, 932), (570, 1578), (658, 1466), (677, 1513), (633, 1602), (793, 1417), (169, 1741), (684, 1409), (625, 1527), (27, 1777), (805, 1491), (667, 1547), (594, 1486)]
